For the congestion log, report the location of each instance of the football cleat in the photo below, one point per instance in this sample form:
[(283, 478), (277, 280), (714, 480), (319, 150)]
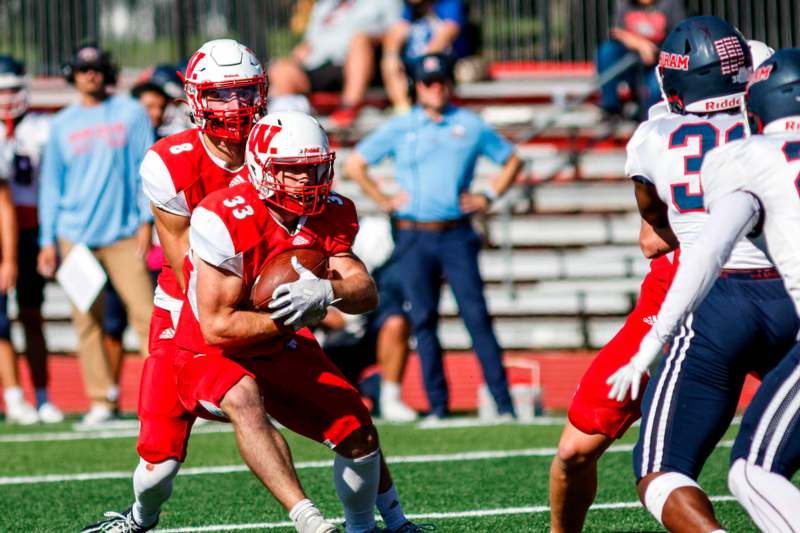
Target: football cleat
[(118, 523)]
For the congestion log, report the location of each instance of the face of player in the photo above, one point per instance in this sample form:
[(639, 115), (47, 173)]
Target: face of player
[(231, 109), (89, 81), (301, 188), (434, 94), (155, 104)]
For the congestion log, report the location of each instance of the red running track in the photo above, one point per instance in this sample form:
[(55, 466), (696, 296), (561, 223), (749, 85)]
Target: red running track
[(560, 372)]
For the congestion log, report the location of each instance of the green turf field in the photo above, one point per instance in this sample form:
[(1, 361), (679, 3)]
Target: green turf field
[(441, 477)]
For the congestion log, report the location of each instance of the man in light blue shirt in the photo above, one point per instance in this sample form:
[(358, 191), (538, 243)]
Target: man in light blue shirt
[(90, 193), (435, 148)]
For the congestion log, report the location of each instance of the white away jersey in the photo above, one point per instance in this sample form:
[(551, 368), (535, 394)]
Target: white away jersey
[(668, 151), (21, 156), (768, 167)]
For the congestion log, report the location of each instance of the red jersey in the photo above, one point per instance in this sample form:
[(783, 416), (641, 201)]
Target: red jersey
[(234, 230), (177, 173)]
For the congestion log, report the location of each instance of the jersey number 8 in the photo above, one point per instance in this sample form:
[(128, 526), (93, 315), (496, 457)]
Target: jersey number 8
[(708, 134)]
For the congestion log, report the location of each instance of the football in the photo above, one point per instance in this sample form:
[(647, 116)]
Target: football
[(279, 270)]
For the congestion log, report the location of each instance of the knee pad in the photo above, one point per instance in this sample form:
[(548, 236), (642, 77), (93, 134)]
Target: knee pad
[(659, 489), (155, 477)]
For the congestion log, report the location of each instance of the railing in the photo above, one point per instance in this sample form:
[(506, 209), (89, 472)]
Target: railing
[(143, 32)]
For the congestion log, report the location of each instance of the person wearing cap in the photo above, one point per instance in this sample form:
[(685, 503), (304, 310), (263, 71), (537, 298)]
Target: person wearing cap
[(435, 147), (91, 194), (156, 89)]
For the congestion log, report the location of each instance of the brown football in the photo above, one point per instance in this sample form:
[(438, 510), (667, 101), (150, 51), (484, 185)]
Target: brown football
[(278, 270)]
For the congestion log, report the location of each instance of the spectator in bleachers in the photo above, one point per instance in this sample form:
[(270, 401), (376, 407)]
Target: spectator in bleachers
[(639, 27), (22, 141), (354, 342), (338, 53), (435, 147), (157, 88), (91, 194), (427, 27)]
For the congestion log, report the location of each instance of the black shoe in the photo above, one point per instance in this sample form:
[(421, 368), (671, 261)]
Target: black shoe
[(118, 523), (411, 527)]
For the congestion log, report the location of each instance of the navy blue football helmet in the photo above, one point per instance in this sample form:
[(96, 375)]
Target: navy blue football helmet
[(13, 88), (704, 66), (162, 78), (774, 90)]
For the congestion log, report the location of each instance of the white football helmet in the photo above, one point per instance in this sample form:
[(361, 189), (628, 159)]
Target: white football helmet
[(290, 163), (225, 70)]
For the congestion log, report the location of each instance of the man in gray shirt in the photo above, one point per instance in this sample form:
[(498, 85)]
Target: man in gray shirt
[(337, 53)]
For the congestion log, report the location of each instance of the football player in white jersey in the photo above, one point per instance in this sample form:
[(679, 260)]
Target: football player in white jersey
[(704, 68), (22, 139), (752, 189)]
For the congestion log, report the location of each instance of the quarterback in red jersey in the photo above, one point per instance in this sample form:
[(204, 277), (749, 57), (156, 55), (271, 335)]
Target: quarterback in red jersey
[(226, 87), (240, 365)]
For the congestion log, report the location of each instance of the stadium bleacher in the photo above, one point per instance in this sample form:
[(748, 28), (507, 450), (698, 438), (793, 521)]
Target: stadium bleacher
[(562, 264)]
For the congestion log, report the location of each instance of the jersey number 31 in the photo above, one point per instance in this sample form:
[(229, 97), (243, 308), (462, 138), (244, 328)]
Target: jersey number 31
[(708, 134)]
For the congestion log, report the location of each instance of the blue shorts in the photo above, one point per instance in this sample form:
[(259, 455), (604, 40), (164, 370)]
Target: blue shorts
[(5, 323), (744, 325), (770, 432)]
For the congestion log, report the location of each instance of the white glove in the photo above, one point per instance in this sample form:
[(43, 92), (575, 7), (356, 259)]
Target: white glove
[(304, 301), (629, 377)]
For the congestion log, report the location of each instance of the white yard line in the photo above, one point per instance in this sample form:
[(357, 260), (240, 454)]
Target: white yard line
[(304, 465), (131, 429), (101, 434), (504, 511)]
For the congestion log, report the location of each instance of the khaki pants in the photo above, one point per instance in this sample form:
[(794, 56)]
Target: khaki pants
[(129, 276)]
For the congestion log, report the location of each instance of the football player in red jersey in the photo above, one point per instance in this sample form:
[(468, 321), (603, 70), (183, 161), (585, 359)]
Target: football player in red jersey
[(226, 88), (238, 364), (595, 421)]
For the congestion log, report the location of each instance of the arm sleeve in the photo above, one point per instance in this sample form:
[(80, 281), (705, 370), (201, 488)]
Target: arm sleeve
[(733, 217), (51, 185), (495, 146), (159, 187), (635, 162), (142, 138), (211, 241), (379, 144)]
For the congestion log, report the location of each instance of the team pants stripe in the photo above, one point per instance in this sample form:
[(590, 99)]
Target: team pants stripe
[(677, 352), (774, 423)]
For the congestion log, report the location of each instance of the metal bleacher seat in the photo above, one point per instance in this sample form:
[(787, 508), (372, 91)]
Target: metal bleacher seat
[(563, 265)]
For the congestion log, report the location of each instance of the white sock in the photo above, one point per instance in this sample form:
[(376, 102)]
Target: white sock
[(152, 486), (112, 395), (391, 509), (390, 391), (13, 396), (356, 482), (770, 499)]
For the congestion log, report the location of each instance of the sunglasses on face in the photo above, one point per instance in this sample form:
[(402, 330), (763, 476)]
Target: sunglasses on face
[(88, 68)]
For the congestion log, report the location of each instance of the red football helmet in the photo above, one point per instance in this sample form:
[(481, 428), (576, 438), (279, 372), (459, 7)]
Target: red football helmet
[(290, 163), (226, 88)]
